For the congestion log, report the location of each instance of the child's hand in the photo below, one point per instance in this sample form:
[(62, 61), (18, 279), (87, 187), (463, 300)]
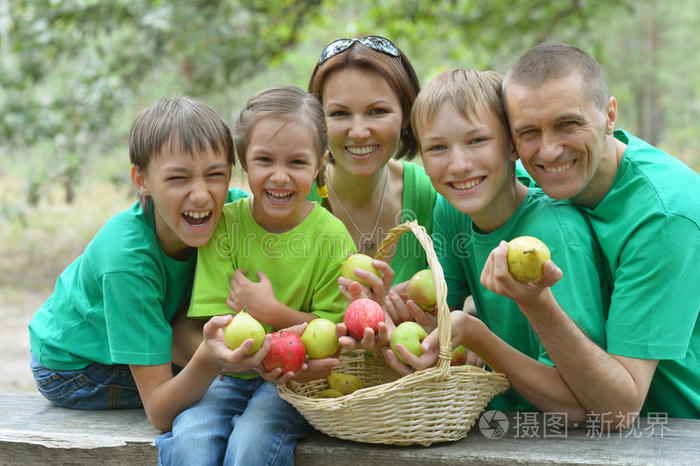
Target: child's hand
[(315, 369), (277, 376), (258, 297), (231, 360), (425, 360), (496, 277), (377, 286), (399, 308), (369, 342)]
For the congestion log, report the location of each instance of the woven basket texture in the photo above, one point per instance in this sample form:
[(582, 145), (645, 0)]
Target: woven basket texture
[(438, 404)]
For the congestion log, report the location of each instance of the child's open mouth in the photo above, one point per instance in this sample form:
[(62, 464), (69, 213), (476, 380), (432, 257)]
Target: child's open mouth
[(279, 197), (197, 218)]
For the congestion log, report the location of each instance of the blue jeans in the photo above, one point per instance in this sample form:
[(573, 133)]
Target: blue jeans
[(237, 422), (96, 386)]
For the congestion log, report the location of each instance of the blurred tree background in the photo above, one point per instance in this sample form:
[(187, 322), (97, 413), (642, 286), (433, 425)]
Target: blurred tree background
[(73, 73)]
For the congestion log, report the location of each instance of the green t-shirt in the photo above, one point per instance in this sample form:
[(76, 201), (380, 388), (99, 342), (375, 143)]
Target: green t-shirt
[(113, 304), (303, 264), (462, 251), (648, 226), (417, 204)]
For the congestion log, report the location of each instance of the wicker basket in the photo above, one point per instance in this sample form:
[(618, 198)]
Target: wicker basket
[(437, 404)]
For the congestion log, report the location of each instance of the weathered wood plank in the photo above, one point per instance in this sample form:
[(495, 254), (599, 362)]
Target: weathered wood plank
[(32, 431)]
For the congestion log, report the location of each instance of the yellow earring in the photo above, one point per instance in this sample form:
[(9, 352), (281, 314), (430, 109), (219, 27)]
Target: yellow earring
[(323, 191)]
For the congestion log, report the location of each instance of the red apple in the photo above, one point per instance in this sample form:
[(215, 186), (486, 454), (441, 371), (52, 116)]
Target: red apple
[(361, 314), (286, 351)]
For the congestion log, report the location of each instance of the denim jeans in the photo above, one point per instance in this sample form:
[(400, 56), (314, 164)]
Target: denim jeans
[(96, 386), (237, 422)]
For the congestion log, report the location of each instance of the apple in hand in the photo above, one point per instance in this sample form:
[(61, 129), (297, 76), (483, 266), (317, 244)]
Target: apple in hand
[(358, 261), (526, 257), (286, 351), (410, 335), (361, 314), (319, 339), (459, 356), (421, 289), (242, 327)]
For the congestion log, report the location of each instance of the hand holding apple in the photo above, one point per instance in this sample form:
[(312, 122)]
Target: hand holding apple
[(361, 314), (421, 289), (320, 339), (358, 261), (286, 352), (410, 335), (241, 328)]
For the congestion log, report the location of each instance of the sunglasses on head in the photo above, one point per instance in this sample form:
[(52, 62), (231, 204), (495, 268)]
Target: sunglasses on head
[(378, 43)]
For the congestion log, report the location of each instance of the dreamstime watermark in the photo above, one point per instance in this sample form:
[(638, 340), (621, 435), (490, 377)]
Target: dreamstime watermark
[(496, 424)]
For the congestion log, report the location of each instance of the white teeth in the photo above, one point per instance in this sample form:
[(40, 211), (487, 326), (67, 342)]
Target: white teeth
[(558, 168), (195, 214), (280, 195), (467, 185), (360, 150)]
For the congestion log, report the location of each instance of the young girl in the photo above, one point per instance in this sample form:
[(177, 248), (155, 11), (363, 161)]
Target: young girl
[(468, 154), (280, 256)]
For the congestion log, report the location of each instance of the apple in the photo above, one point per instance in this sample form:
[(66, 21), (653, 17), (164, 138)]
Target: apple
[(459, 356), (286, 351), (358, 261), (410, 335), (242, 327), (526, 257), (361, 314), (421, 289), (319, 339)]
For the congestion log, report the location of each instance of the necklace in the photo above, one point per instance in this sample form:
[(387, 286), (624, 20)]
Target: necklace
[(367, 240)]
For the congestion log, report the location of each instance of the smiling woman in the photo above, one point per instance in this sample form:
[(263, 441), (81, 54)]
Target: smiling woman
[(367, 87)]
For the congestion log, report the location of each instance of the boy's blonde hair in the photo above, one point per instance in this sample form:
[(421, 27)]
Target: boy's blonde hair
[(470, 91), (177, 123)]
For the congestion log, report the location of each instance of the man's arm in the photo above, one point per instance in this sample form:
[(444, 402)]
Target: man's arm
[(608, 385)]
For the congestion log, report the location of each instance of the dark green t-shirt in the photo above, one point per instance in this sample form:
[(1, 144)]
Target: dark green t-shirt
[(114, 303)]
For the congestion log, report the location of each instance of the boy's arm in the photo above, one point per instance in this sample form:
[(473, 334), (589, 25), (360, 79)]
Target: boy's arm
[(165, 396), (604, 384), (539, 383)]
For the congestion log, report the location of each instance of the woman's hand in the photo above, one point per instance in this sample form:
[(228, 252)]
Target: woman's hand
[(376, 290)]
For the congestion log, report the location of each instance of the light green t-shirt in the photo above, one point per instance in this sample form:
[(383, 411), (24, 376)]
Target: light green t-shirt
[(417, 204), (114, 303), (648, 226), (303, 264), (463, 250)]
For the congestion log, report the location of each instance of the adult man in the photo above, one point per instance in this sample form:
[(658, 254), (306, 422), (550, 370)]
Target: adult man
[(644, 207)]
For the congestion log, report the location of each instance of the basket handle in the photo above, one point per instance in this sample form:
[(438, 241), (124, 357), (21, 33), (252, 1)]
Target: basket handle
[(443, 312)]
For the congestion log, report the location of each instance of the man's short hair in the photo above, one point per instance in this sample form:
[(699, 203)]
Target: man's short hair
[(549, 61)]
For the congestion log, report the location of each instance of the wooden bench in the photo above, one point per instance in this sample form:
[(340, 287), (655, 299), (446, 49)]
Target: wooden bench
[(32, 431)]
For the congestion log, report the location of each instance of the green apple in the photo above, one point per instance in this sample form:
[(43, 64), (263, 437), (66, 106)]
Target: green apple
[(410, 335), (421, 289), (459, 356), (319, 339), (242, 327), (526, 257), (358, 261)]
